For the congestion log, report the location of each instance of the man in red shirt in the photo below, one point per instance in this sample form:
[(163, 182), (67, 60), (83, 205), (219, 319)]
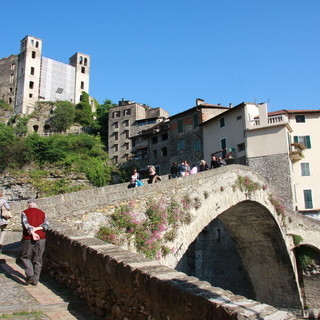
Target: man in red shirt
[(34, 224)]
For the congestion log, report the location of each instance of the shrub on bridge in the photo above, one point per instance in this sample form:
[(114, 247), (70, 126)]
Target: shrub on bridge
[(149, 231)]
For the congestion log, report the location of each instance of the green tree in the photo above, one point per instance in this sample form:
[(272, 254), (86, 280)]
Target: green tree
[(84, 115), (7, 140), (21, 127), (64, 115), (100, 125)]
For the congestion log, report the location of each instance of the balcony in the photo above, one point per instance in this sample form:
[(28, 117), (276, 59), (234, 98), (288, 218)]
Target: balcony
[(296, 153), (271, 121)]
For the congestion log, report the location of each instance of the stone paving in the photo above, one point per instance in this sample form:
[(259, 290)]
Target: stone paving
[(49, 300)]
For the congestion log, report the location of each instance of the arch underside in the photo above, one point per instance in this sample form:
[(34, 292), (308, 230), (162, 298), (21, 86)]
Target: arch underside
[(243, 251)]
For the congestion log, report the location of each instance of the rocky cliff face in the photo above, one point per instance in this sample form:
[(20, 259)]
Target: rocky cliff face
[(33, 183)]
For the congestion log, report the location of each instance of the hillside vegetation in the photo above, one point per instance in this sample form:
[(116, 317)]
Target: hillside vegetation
[(57, 155)]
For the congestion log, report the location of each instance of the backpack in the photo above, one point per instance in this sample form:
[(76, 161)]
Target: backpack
[(5, 213)]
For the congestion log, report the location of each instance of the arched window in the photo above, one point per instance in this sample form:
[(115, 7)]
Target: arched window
[(80, 59), (37, 44), (33, 54), (85, 61)]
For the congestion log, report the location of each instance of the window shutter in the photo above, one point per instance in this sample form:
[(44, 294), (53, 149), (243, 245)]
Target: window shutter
[(308, 142), (295, 139)]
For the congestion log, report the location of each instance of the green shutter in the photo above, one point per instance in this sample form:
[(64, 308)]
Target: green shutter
[(295, 139), (308, 142)]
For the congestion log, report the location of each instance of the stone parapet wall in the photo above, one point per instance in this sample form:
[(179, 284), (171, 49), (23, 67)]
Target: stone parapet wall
[(117, 284), (276, 170)]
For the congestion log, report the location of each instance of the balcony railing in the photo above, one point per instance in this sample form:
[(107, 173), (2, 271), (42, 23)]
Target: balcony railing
[(273, 120)]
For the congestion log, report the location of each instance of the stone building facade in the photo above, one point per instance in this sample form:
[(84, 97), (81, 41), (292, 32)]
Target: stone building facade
[(177, 139), (29, 77), (127, 120)]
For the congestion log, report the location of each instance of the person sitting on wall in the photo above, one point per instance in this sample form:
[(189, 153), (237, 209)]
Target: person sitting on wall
[(203, 166), (174, 171), (134, 179), (153, 177), (194, 169), (214, 163)]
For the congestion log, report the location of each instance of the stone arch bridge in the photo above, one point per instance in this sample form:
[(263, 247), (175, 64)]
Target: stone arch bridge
[(262, 235)]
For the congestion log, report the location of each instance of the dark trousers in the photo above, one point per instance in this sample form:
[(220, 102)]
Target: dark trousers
[(31, 257)]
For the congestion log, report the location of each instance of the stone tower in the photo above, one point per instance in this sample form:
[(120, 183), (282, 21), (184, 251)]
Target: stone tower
[(28, 74), (81, 62)]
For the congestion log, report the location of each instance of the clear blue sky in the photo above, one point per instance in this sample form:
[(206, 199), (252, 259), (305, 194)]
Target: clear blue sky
[(167, 53)]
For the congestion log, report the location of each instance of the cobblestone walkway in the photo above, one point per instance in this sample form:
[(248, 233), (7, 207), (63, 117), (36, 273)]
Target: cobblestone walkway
[(49, 300)]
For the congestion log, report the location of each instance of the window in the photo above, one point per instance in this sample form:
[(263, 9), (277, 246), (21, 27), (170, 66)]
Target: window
[(239, 117), (195, 120), (164, 151), (126, 146), (80, 59), (37, 44), (127, 112), (224, 147), (31, 84), (303, 139), (305, 169), (11, 78), (222, 123), (32, 71), (154, 140), (30, 95), (164, 136), (85, 61), (155, 154), (126, 134), (115, 147), (116, 125), (241, 147), (180, 145), (115, 114), (197, 145), (126, 123), (33, 54), (307, 199), (13, 66), (83, 70), (116, 135), (115, 159), (82, 85), (300, 118), (180, 125)]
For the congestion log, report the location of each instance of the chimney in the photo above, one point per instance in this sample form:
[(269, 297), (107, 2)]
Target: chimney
[(199, 101)]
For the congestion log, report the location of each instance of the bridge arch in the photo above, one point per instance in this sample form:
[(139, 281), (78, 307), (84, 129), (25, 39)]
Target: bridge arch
[(265, 266)]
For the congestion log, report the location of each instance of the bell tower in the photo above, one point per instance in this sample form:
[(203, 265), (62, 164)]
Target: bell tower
[(28, 75), (81, 62)]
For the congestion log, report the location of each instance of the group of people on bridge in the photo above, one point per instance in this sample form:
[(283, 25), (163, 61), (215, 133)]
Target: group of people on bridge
[(184, 169), (177, 170)]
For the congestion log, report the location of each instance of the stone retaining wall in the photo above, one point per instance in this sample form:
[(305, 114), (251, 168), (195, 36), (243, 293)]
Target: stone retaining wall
[(117, 284)]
